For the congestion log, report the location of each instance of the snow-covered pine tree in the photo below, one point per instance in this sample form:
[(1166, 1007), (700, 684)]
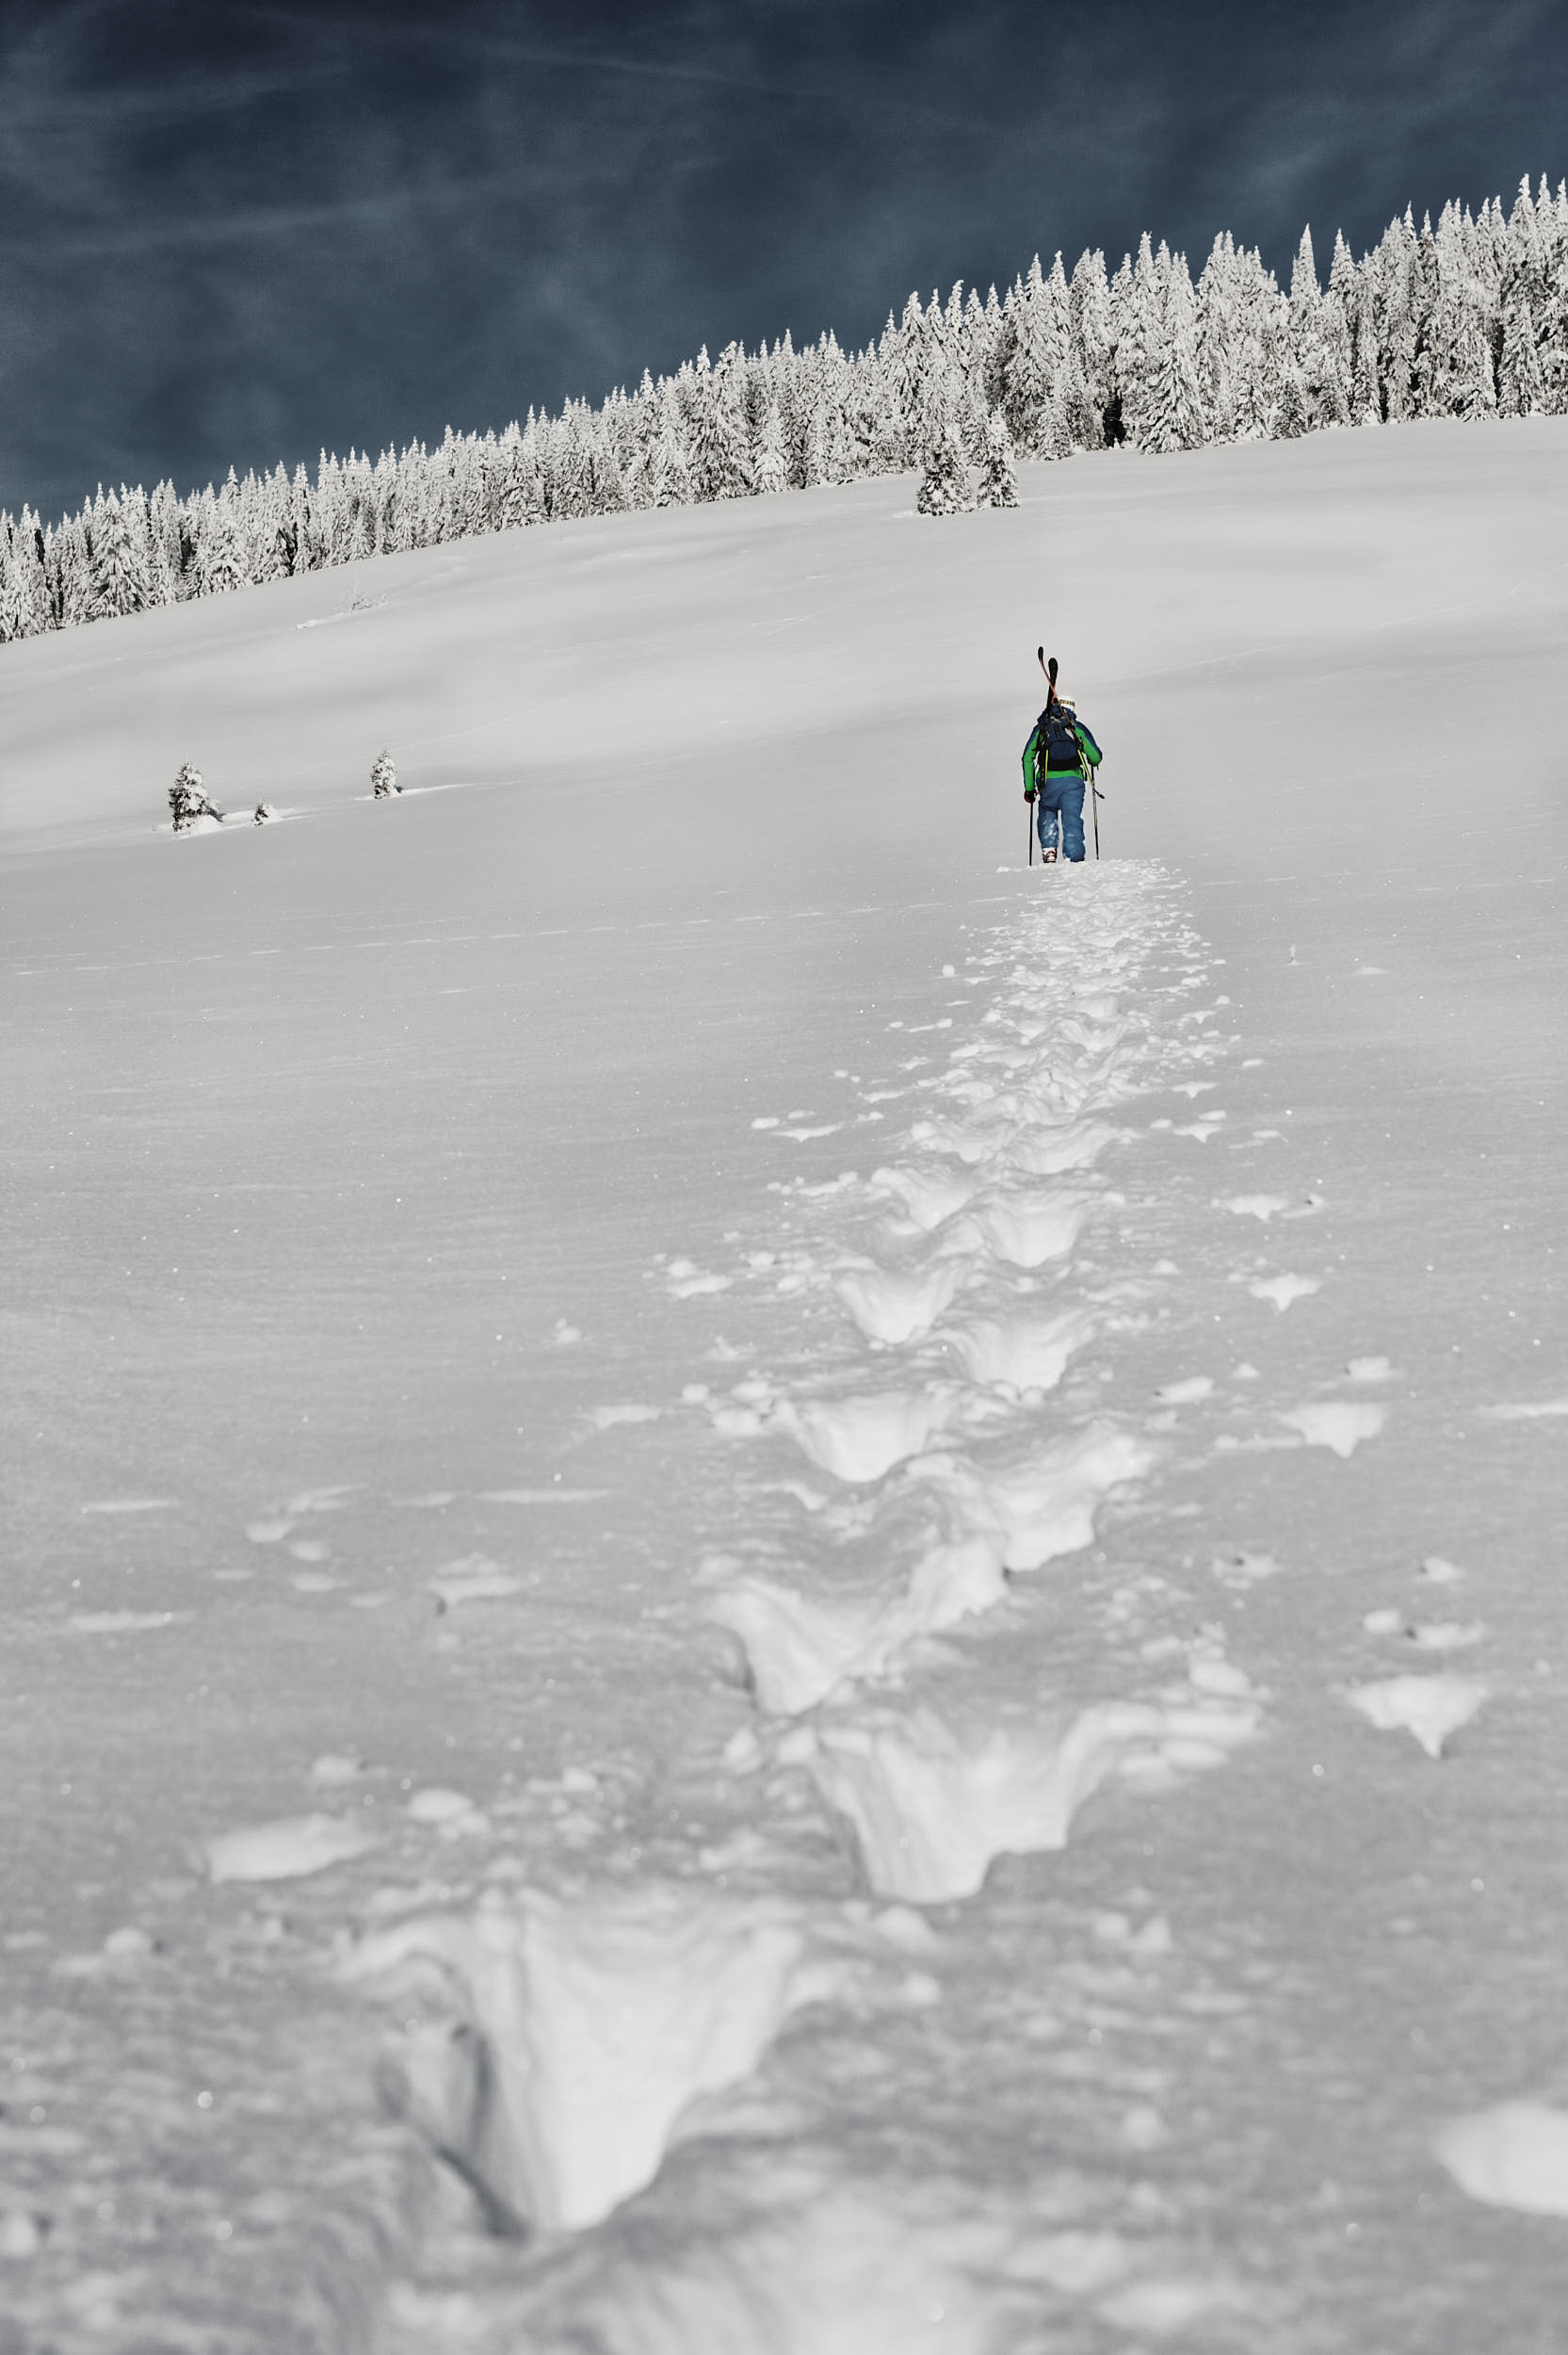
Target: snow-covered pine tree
[(187, 798), (671, 466), (1094, 337), (1317, 390), (73, 556), (1366, 385), (1076, 418), (884, 425), (25, 608), (1215, 338), (837, 433), (769, 466), (1138, 308), (866, 420), (1169, 413), (1038, 343), (570, 467), (999, 478), (813, 446), (906, 377), (119, 556), (977, 349), (1400, 323), (1459, 379), (383, 777), (536, 508), (511, 501), (395, 512), (1303, 329), (1521, 387), (170, 551), (944, 486), (217, 552), (1272, 389), (1335, 387), (609, 489), (717, 450), (1427, 360)]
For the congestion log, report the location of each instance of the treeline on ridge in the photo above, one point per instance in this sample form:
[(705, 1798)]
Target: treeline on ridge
[(1467, 320)]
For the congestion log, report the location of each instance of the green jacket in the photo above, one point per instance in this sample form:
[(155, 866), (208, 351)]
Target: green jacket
[(1088, 751)]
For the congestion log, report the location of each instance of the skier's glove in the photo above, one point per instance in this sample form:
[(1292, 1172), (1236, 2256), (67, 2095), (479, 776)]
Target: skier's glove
[(1028, 792)]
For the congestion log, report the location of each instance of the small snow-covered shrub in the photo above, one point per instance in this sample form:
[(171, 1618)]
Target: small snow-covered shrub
[(187, 798), (383, 777), (265, 814)]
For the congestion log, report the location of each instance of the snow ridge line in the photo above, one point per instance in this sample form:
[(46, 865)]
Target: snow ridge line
[(595, 2023)]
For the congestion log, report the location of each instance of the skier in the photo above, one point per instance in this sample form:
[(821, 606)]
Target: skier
[(1058, 759)]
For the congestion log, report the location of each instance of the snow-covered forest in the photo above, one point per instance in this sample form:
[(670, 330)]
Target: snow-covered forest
[(1467, 320)]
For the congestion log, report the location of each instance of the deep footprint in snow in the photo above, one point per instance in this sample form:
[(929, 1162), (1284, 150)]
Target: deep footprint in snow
[(1021, 1353), (860, 1439), (591, 2028), (929, 1196), (1044, 1505), (800, 1648), (893, 1306), (1023, 1230), (931, 1808)]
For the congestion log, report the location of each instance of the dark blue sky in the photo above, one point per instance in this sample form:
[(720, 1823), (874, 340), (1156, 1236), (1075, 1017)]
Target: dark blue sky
[(234, 232)]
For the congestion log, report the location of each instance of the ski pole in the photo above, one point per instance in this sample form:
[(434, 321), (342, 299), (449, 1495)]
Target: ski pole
[(1094, 798), (1028, 822), (1050, 671)]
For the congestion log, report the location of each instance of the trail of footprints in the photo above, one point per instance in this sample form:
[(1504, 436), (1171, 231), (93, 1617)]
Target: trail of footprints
[(922, 1470), (933, 1485)]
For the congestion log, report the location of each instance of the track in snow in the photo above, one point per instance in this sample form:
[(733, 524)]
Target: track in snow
[(905, 1497)]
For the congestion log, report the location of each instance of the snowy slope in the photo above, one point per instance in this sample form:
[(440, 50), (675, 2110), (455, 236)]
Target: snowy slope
[(720, 1504)]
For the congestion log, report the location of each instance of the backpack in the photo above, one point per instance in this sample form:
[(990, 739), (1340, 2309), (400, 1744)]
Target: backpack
[(1059, 743)]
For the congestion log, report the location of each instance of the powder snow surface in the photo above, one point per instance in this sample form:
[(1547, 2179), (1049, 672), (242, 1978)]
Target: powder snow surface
[(692, 1660)]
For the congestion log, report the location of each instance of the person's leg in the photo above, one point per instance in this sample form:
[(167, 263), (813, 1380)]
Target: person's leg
[(1049, 807), (1071, 793)]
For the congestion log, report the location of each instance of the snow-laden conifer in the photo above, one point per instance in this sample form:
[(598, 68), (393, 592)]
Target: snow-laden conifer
[(769, 466), (187, 798), (717, 461), (1038, 331), (1094, 341), (1169, 413), (24, 606), (383, 777), (944, 486), (1521, 386), (999, 476), (119, 555)]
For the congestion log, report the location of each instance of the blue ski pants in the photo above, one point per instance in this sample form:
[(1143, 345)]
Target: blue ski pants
[(1061, 797)]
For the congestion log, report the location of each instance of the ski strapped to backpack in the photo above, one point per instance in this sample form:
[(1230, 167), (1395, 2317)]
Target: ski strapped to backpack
[(1057, 743), (1058, 749)]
